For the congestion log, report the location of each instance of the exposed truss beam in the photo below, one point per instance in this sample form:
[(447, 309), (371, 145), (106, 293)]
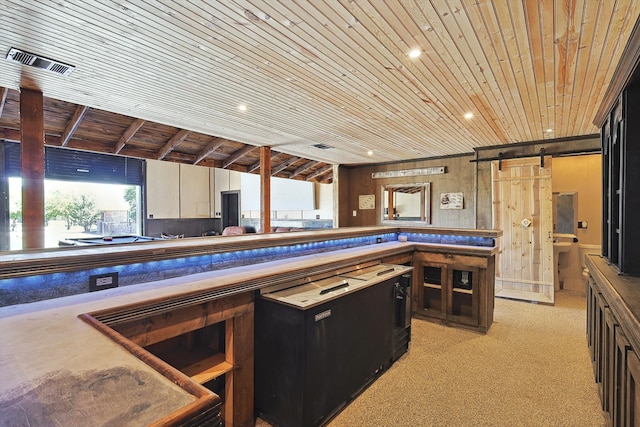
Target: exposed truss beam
[(128, 134), (14, 135), (3, 98), (319, 172), (73, 124), (210, 148), (282, 166), (238, 155), (303, 168), (173, 143)]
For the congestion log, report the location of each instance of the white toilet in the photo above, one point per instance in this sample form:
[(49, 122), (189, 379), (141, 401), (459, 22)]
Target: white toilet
[(585, 249)]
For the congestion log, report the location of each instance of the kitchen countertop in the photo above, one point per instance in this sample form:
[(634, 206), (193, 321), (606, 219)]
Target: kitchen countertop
[(57, 369)]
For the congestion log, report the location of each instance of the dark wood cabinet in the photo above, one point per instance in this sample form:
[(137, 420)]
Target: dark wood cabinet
[(620, 175), (454, 289), (612, 328), (632, 394), (618, 393)]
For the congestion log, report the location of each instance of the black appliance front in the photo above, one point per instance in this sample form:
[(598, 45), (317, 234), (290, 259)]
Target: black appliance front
[(310, 363), (402, 318)]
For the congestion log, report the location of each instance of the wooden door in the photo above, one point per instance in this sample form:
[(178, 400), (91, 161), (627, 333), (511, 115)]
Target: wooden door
[(522, 209)]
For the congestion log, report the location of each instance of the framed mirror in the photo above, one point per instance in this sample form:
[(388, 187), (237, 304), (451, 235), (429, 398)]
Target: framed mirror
[(402, 203), (565, 208)]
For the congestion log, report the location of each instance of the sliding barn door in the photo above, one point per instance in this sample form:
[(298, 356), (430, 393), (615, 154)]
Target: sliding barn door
[(522, 209)]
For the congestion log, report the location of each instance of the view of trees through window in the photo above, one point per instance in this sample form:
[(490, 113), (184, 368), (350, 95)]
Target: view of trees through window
[(79, 209)]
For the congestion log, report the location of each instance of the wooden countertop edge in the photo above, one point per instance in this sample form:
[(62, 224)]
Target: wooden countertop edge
[(485, 251), (621, 293), (204, 397), (21, 263)]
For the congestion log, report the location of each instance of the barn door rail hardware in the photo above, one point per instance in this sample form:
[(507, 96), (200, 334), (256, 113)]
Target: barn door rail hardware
[(501, 157)]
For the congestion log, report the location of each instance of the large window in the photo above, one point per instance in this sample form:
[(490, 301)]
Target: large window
[(79, 209), (86, 194)]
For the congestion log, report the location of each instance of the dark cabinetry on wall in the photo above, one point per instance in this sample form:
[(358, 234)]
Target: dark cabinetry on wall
[(620, 177)]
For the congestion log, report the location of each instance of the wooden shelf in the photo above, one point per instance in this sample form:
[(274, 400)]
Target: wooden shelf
[(208, 369), (432, 286), (463, 291)]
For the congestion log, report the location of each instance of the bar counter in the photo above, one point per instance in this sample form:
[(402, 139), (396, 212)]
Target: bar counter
[(55, 367)]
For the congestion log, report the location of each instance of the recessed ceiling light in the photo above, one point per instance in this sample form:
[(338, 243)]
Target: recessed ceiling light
[(242, 107), (415, 53), (468, 115), (370, 153), (549, 130)]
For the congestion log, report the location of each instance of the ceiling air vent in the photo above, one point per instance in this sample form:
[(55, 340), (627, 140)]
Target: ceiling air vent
[(322, 146), (26, 58)]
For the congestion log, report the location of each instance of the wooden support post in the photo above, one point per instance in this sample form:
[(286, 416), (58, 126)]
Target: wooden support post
[(423, 204), (265, 189), (32, 153), (5, 220), (392, 206), (238, 408)]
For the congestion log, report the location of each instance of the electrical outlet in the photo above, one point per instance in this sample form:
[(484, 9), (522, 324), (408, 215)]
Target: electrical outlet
[(98, 282)]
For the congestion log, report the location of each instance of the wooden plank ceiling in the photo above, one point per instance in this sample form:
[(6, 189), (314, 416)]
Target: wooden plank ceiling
[(322, 82)]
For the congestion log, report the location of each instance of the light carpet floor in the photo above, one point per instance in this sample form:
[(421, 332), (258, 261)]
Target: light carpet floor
[(531, 369)]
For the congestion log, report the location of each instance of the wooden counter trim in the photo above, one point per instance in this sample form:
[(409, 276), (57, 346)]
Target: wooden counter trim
[(205, 399), (622, 293), (46, 261), (483, 251), (154, 328), (494, 234), (197, 411)]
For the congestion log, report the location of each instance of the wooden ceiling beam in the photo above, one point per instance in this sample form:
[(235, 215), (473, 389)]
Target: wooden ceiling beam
[(210, 148), (13, 135), (304, 167), (73, 124), (319, 172), (282, 166), (238, 155), (3, 98), (173, 143), (128, 134), (10, 134)]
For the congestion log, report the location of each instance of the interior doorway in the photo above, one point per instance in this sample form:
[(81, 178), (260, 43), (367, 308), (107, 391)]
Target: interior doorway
[(230, 208)]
